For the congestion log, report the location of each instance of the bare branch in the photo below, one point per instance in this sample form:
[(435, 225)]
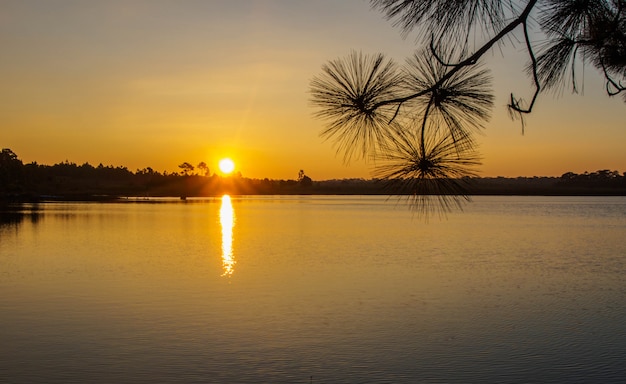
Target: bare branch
[(433, 51), (471, 60), (515, 105), (617, 88)]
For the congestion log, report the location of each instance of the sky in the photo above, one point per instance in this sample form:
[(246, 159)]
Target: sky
[(157, 83)]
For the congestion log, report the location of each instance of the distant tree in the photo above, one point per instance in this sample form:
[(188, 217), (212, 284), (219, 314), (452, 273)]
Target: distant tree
[(569, 176), (203, 169), (607, 174), (145, 171), (304, 180), (8, 158), (418, 121), (11, 171), (187, 168)]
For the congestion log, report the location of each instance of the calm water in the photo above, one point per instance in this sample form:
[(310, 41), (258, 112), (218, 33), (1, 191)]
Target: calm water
[(314, 289)]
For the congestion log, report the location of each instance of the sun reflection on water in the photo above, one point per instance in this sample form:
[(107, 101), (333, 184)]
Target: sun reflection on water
[(227, 220)]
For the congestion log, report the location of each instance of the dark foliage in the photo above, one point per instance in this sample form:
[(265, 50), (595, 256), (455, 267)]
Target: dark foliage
[(348, 95), (403, 172), (442, 96)]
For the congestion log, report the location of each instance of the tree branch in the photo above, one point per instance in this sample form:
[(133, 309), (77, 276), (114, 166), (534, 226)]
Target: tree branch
[(423, 129), (515, 105), (395, 113), (471, 60), (433, 51), (617, 87)]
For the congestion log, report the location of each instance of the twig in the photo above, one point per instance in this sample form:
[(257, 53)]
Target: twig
[(515, 105)]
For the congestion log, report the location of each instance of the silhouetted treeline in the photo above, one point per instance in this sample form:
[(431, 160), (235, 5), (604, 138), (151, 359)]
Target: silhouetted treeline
[(602, 182), (70, 181)]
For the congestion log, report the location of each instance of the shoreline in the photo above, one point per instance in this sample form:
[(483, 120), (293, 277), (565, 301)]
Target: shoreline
[(33, 199)]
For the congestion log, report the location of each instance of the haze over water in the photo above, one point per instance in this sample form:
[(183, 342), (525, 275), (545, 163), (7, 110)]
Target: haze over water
[(314, 289)]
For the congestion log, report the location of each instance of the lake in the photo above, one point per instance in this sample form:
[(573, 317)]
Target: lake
[(314, 289)]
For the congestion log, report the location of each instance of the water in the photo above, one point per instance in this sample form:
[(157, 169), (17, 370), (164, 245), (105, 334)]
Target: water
[(314, 289)]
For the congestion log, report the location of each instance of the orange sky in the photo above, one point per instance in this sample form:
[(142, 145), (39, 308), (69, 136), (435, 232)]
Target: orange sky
[(157, 83)]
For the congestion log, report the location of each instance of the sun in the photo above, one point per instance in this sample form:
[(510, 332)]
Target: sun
[(226, 165)]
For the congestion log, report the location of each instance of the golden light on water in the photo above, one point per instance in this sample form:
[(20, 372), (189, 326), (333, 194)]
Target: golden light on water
[(227, 221)]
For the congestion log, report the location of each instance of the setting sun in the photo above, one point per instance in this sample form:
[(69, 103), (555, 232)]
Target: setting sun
[(226, 165)]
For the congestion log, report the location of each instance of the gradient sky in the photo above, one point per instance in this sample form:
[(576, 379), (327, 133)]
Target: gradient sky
[(156, 83)]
